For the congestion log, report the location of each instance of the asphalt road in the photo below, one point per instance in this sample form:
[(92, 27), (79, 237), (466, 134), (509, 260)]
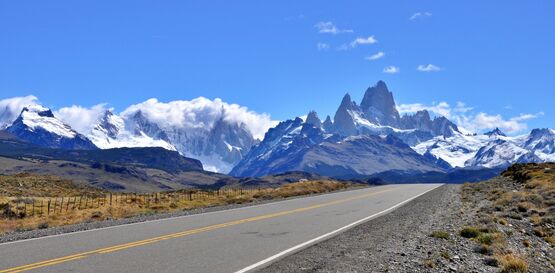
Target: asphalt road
[(236, 240)]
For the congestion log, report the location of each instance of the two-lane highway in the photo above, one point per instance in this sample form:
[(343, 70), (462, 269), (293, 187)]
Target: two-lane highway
[(233, 240)]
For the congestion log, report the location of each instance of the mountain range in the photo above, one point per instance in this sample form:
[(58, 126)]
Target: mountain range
[(373, 137), (360, 140)]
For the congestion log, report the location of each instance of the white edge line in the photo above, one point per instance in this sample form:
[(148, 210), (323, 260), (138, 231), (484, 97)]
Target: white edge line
[(178, 217), (327, 235)]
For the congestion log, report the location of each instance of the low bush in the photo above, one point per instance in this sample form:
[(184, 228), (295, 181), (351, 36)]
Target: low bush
[(470, 232), (512, 264)]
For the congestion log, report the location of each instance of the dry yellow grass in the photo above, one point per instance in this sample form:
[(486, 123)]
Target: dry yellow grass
[(512, 264), (133, 205)]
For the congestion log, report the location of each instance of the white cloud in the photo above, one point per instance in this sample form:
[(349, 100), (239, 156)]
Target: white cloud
[(358, 41), (201, 113), (483, 121), (391, 70), (322, 46), (329, 27), (462, 108), (417, 15), (80, 118), (11, 108), (363, 41), (442, 108), (462, 115), (525, 117), (376, 56), (428, 68)]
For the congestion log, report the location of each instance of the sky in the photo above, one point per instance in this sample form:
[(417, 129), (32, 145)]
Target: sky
[(481, 63)]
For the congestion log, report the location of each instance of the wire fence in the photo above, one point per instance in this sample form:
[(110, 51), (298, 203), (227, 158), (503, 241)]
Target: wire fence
[(21, 207)]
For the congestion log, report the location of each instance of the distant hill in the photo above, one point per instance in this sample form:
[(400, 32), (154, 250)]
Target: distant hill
[(123, 169), (459, 175), (151, 157)]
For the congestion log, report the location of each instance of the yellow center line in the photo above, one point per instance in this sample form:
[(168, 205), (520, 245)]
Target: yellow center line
[(177, 235)]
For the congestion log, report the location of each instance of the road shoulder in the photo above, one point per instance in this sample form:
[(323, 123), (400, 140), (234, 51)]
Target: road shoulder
[(396, 242)]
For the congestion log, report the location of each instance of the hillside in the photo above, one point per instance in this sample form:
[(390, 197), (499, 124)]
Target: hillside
[(26, 184)]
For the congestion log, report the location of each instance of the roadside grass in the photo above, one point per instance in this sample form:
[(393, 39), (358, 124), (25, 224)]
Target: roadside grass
[(134, 206)]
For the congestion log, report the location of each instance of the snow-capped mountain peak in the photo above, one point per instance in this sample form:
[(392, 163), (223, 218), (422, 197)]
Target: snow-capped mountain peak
[(36, 116), (38, 125), (495, 132)]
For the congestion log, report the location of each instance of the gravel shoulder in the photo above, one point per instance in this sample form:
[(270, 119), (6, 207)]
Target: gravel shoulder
[(390, 243), (402, 240)]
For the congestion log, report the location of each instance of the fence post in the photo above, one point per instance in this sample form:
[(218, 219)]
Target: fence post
[(9, 209)]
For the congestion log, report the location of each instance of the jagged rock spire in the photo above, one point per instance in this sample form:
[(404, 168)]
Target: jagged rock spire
[(328, 125), (344, 122), (313, 119), (495, 132), (378, 105)]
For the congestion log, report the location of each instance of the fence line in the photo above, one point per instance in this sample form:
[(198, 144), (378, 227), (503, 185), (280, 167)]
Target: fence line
[(39, 206)]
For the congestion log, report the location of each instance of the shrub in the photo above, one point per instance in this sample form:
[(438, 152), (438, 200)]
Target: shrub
[(96, 214), (429, 263), (470, 232), (484, 250), (539, 232), (486, 238), (440, 234), (491, 262), (512, 264), (514, 216), (445, 255)]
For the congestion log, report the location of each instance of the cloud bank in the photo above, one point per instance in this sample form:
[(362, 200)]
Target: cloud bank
[(81, 119), (11, 108), (201, 113), (462, 115)]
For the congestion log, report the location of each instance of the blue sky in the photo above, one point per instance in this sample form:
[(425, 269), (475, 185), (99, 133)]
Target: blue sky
[(495, 57)]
